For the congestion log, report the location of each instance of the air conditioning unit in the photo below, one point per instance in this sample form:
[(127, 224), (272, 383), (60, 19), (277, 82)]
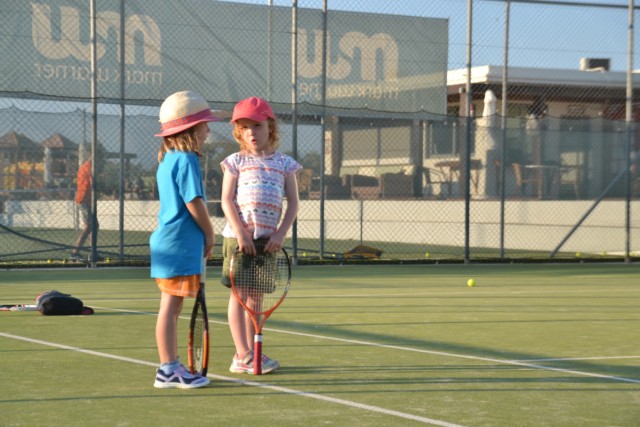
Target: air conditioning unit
[(595, 64)]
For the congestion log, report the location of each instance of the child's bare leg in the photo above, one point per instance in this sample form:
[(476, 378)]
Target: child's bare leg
[(167, 327)]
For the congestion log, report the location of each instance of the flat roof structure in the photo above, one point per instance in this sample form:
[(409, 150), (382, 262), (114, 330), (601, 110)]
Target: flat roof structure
[(607, 89)]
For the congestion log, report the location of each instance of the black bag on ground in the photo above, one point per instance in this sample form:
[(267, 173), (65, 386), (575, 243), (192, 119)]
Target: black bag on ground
[(54, 303)]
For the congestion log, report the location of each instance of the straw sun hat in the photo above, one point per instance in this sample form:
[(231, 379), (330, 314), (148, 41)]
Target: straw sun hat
[(183, 110)]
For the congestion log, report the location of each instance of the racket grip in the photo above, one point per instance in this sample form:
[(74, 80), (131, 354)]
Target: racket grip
[(257, 354)]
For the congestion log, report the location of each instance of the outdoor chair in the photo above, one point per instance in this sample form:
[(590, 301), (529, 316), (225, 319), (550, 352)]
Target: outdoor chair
[(523, 178)]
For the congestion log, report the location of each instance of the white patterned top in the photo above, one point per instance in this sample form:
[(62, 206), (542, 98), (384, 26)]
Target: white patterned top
[(260, 190)]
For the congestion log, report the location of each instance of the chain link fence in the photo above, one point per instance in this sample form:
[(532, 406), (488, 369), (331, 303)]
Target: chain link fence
[(429, 130)]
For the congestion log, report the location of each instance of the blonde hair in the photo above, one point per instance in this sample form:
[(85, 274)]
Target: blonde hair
[(274, 135), (183, 141)]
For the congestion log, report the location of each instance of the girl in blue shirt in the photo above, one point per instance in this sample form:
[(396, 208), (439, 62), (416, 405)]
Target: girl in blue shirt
[(184, 237)]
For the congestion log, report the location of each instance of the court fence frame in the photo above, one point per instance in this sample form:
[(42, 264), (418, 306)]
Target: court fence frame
[(372, 177)]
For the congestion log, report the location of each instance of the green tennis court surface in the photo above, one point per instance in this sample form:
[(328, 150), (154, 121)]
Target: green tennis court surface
[(529, 345)]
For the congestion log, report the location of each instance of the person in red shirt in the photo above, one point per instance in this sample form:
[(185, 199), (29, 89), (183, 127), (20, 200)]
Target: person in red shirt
[(83, 203)]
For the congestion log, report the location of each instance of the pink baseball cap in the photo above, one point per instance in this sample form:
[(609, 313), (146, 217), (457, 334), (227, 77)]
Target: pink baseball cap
[(183, 110), (253, 108)]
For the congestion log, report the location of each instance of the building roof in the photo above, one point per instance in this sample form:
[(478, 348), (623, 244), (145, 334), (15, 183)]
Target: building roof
[(492, 75), (59, 142), (18, 141)]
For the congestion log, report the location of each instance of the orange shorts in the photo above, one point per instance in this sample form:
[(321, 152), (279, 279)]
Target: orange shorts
[(180, 286)]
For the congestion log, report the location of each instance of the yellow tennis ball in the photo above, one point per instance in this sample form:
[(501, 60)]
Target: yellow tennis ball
[(578, 254), (304, 254), (471, 283), (427, 254), (49, 261), (108, 260)]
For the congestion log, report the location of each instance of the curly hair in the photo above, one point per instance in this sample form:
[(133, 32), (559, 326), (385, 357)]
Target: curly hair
[(274, 135), (183, 141)]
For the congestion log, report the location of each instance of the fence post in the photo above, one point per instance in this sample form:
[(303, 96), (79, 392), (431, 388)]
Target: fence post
[(94, 138), (294, 102), (503, 145), (629, 123), (467, 157)]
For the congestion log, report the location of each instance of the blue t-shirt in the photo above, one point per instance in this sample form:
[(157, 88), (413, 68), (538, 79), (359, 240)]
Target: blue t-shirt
[(177, 245)]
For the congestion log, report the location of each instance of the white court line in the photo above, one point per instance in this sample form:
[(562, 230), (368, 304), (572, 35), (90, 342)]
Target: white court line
[(561, 359), (243, 382), (463, 293), (520, 363), (422, 294), (464, 356)]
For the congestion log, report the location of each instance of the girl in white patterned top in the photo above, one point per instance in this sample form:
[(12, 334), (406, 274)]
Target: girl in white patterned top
[(256, 181)]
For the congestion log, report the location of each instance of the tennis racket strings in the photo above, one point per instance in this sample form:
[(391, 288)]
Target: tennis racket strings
[(262, 279), (198, 339), (198, 349)]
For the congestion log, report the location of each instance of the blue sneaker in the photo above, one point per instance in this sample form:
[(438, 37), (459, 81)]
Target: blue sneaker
[(180, 378)]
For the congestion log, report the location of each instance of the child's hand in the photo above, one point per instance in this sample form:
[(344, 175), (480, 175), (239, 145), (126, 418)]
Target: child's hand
[(209, 241), (275, 243), (208, 250), (245, 244)]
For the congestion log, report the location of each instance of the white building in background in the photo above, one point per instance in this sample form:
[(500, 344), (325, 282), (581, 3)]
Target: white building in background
[(565, 126), (579, 93)]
